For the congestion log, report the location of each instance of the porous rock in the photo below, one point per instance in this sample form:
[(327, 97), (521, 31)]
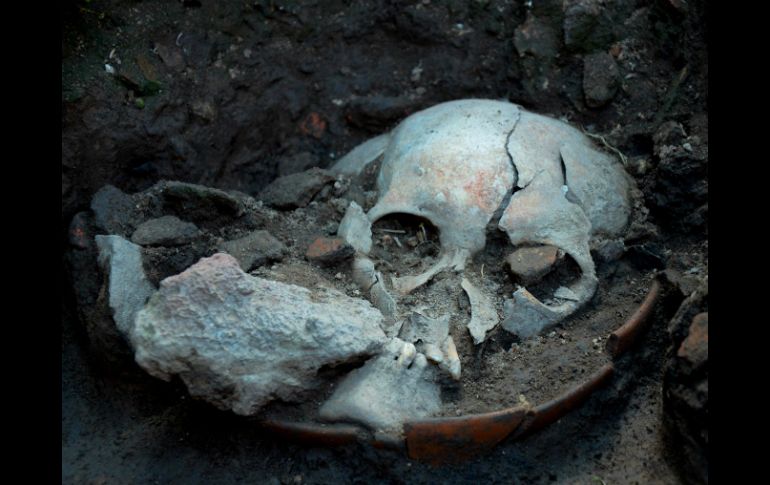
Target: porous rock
[(239, 341)]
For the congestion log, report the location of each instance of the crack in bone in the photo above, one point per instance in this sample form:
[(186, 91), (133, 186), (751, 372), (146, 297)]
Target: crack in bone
[(494, 222)]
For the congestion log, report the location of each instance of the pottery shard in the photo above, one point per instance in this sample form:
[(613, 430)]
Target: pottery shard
[(531, 264), (239, 341), (329, 250)]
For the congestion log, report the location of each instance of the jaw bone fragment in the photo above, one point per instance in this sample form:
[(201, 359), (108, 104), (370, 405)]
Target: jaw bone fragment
[(394, 387), (483, 313), (431, 336)]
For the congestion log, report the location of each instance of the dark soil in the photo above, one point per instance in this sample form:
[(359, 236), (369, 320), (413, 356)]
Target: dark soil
[(232, 95)]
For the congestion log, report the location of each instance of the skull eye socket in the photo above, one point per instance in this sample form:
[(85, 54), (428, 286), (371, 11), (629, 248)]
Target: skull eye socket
[(407, 238), (563, 272)]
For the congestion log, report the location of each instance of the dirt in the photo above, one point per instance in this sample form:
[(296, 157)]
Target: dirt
[(234, 95)]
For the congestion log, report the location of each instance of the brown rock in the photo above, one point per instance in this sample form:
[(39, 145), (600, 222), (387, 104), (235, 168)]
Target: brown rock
[(532, 263), (695, 348), (329, 250)]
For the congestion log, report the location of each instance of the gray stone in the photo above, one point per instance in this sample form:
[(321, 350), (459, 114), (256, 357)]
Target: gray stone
[(165, 231), (601, 79), (483, 313), (356, 229), (186, 197), (239, 341), (525, 316), (296, 190), (395, 387), (255, 249), (128, 286), (114, 211)]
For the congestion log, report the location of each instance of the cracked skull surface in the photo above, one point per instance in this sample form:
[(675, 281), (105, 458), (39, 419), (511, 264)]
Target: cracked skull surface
[(475, 170)]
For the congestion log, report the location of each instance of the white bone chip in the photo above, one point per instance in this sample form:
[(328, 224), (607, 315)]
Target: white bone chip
[(483, 314)]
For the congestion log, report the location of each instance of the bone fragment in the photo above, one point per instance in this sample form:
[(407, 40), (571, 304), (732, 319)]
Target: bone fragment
[(357, 159), (451, 361), (450, 259), (387, 391), (483, 313), (372, 282), (433, 353), (565, 293), (356, 229)]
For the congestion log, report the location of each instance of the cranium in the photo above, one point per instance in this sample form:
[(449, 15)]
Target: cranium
[(468, 164)]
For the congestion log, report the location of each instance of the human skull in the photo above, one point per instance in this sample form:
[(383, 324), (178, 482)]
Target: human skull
[(466, 164)]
